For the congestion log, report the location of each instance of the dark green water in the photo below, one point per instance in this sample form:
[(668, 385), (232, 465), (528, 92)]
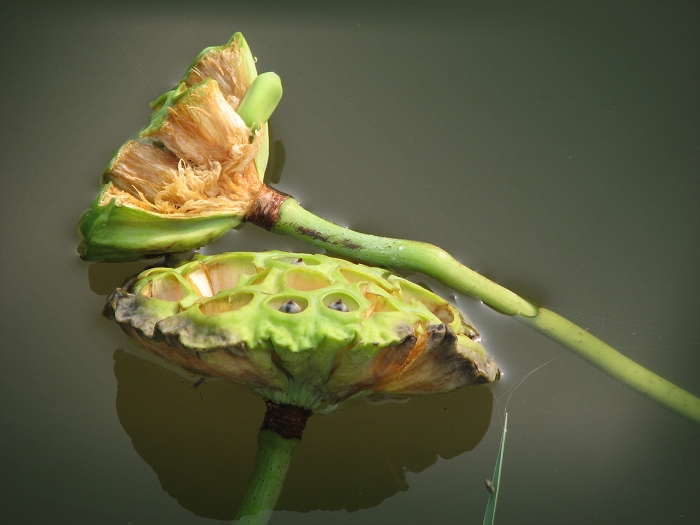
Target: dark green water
[(554, 147)]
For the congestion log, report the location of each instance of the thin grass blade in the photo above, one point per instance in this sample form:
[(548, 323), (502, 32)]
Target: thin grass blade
[(495, 484)]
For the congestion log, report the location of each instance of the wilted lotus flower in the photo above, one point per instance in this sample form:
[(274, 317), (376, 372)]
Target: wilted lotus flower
[(195, 171), (309, 333)]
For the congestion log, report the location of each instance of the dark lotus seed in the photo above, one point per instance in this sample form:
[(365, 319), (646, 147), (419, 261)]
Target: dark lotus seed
[(290, 307), (299, 261), (339, 305)]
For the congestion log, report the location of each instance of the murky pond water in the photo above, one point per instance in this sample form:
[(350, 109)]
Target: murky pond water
[(553, 149)]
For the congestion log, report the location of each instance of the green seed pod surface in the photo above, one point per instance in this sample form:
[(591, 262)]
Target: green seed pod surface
[(187, 179), (305, 330)]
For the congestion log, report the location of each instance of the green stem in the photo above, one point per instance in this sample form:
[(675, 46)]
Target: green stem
[(613, 363), (278, 438), (296, 222), (300, 224), (269, 473)]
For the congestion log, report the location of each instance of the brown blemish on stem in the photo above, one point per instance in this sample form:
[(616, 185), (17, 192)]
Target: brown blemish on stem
[(319, 237), (310, 232), (347, 243)]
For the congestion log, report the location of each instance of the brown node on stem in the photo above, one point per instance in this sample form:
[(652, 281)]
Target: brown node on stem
[(265, 211), (287, 420)]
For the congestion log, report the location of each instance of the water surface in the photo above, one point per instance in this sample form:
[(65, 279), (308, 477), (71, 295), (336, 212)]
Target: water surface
[(554, 148)]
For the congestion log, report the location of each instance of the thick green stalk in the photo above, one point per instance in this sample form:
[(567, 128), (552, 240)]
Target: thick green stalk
[(613, 363), (296, 222), (269, 473)]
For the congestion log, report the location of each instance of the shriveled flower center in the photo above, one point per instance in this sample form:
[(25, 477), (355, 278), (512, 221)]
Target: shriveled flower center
[(200, 161)]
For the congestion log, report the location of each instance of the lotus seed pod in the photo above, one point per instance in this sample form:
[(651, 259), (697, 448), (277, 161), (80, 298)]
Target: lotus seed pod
[(304, 330), (194, 172)]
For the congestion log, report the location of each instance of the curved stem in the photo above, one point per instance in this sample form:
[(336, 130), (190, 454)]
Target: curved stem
[(296, 222), (300, 224)]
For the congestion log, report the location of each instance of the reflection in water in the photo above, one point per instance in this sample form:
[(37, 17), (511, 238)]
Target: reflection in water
[(202, 442), (278, 156), (105, 277)]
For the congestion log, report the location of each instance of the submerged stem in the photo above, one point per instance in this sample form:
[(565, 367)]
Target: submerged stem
[(278, 438), (291, 219)]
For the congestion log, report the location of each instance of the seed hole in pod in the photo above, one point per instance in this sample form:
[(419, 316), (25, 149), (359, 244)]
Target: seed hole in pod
[(353, 275), (444, 313), (380, 303), (291, 260), (440, 308), (288, 304), (260, 277), (340, 302), (305, 280), (199, 279), (299, 260), (166, 287), (225, 271), (226, 303)]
